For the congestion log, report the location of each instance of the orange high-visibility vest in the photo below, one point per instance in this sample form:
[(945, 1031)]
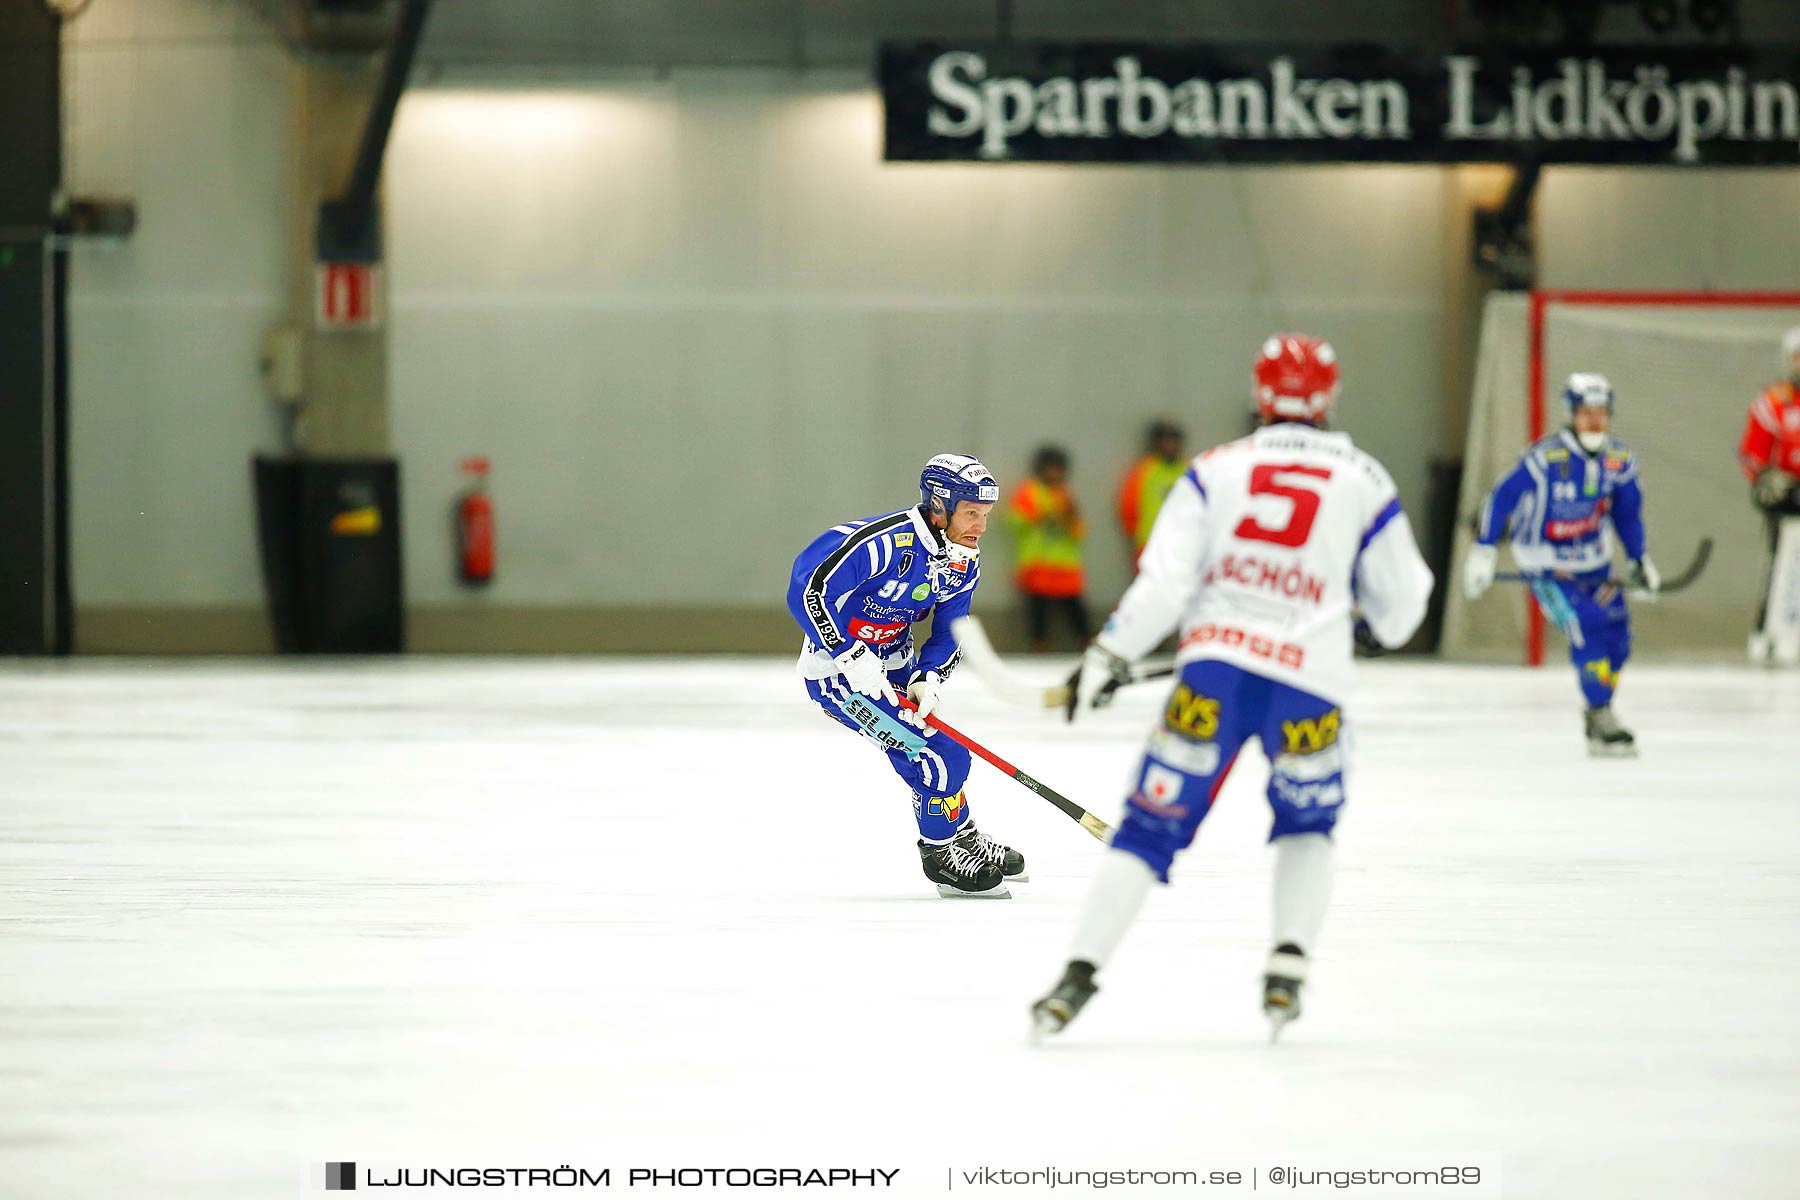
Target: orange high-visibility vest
[(1050, 532), (1142, 494)]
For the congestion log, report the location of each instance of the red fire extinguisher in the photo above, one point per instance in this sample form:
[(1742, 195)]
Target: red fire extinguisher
[(475, 525)]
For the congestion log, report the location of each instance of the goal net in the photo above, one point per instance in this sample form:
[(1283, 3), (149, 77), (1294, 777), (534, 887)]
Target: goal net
[(1684, 369)]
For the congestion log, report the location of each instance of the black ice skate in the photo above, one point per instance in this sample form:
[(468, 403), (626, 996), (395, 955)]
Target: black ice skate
[(1606, 738), (1010, 861), (960, 869), (1071, 994), (1281, 986)]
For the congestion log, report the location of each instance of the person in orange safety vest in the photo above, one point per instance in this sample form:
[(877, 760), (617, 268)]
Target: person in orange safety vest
[(1047, 522), (1147, 484)]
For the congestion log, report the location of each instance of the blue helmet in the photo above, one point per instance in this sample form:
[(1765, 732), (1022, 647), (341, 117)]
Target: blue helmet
[(1586, 389), (950, 478)]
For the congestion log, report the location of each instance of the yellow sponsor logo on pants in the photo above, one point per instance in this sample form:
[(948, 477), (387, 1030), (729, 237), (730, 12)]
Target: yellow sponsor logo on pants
[(1602, 670), (1312, 734), (1192, 715), (950, 806)]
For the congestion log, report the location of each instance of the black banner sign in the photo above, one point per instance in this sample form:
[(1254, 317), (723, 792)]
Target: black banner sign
[(1203, 103)]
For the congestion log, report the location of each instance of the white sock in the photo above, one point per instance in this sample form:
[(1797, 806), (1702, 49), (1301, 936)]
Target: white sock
[(1113, 901), (1302, 886)]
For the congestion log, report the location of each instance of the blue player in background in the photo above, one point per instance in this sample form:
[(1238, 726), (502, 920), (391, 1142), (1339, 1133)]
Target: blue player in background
[(856, 591), (1559, 507)]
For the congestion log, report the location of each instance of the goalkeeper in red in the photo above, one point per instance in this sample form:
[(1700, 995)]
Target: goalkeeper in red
[(1263, 553), (1770, 456)]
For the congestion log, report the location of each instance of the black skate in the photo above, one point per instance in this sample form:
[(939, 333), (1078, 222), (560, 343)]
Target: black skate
[(1606, 738), (1281, 986), (960, 869), (1065, 1001), (1010, 861)]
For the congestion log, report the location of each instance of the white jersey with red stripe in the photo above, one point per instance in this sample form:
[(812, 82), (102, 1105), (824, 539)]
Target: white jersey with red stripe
[(1264, 550)]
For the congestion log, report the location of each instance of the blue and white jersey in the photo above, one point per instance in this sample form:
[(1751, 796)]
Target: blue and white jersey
[(1560, 504), (868, 581)]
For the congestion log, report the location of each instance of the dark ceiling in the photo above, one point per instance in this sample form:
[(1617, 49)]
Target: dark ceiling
[(833, 33), (808, 34)]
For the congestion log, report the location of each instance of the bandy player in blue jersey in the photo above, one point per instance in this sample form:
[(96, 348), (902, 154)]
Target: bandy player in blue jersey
[(1262, 553), (856, 591), (1559, 505)]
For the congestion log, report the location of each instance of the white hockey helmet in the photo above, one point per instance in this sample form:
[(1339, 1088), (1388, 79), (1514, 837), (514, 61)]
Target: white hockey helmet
[(1790, 346), (1587, 389)]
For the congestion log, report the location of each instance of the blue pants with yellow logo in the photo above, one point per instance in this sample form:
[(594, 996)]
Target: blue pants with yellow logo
[(1593, 619), (937, 773), (1215, 708)]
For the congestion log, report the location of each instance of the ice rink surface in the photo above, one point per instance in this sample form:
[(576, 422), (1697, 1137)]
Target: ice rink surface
[(261, 915)]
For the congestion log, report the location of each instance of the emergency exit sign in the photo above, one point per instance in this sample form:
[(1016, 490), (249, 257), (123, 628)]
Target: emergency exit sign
[(348, 296)]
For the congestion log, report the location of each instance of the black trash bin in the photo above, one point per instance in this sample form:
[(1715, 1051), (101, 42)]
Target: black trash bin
[(330, 536)]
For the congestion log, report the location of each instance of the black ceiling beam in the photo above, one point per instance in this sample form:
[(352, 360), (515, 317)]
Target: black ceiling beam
[(348, 230)]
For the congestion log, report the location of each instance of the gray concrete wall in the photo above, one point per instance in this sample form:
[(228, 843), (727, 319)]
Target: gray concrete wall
[(695, 321), (180, 106)]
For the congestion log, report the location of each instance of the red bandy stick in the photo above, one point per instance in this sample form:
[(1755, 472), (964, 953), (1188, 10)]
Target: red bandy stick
[(1081, 816)]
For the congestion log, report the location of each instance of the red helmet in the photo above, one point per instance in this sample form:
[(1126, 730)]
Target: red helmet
[(1296, 378)]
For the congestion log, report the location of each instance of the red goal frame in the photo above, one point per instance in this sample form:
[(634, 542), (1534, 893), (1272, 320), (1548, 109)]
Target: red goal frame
[(1541, 300)]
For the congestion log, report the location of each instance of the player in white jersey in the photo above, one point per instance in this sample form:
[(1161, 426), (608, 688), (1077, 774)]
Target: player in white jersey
[(1265, 552)]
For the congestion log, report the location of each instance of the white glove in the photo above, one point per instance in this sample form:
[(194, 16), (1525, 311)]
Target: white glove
[(861, 669), (924, 691), (1644, 577), (1093, 682), (1771, 487), (1478, 570)]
